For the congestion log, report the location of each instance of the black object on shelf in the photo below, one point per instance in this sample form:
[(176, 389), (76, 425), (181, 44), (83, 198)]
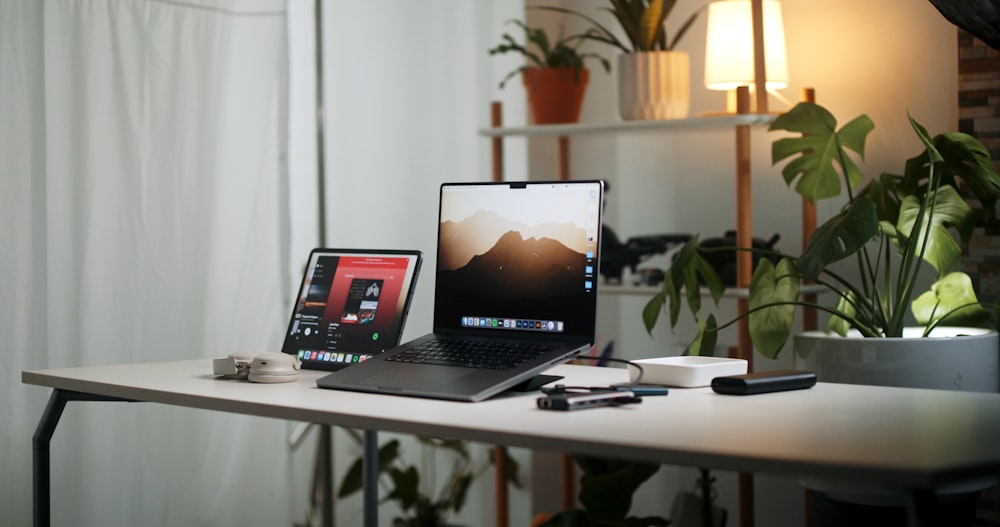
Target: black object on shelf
[(616, 255), (724, 261)]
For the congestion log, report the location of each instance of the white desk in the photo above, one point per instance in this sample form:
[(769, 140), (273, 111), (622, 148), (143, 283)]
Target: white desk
[(911, 439)]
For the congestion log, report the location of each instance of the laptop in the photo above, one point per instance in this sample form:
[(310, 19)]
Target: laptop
[(352, 305), (516, 268)]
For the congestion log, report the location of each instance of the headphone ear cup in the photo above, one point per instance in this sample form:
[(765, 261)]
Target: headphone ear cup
[(235, 366), (274, 368)]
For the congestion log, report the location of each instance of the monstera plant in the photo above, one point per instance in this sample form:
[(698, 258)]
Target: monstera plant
[(891, 227)]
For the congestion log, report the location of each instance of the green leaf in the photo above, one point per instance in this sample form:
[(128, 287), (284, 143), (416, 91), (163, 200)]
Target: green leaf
[(607, 486), (706, 340), (352, 481), (457, 492), (964, 158), (651, 24), (388, 454), (773, 291), (406, 487), (686, 274), (651, 312), (819, 148), (845, 305), (935, 156), (949, 210), (841, 236), (513, 469), (951, 300), (716, 287)]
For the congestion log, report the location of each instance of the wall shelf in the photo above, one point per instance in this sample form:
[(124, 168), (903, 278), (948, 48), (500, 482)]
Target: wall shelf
[(693, 123), (730, 292)]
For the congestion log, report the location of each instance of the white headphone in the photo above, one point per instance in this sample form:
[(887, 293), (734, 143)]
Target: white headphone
[(258, 367)]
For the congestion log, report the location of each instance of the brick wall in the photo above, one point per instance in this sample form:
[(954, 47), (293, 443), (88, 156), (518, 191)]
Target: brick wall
[(979, 116)]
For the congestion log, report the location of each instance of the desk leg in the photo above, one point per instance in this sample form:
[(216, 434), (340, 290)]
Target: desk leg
[(40, 443), (369, 478), (324, 461)]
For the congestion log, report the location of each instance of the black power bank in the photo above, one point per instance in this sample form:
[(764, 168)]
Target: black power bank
[(764, 382)]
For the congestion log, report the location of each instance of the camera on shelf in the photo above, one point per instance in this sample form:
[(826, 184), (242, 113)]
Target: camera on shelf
[(724, 262), (617, 255)]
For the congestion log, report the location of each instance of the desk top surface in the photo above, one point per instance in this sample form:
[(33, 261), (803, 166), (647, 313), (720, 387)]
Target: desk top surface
[(892, 436)]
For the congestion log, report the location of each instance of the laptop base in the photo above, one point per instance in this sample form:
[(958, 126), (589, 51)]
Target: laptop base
[(535, 383)]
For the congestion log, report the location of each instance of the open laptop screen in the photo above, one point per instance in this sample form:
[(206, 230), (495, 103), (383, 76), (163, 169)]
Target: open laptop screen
[(518, 257), (351, 305)]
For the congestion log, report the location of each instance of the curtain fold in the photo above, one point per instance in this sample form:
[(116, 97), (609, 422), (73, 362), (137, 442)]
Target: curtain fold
[(143, 221)]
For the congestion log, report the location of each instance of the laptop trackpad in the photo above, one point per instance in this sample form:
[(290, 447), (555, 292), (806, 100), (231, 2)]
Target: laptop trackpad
[(403, 378)]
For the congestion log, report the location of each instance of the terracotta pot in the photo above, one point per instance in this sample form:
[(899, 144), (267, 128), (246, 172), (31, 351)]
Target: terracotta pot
[(555, 95), (654, 85)]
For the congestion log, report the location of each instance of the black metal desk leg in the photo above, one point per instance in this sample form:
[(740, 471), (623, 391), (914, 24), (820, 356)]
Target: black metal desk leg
[(40, 443), (369, 478)]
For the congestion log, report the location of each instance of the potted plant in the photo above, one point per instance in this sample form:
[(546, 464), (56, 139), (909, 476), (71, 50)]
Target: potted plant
[(606, 489), (555, 77), (421, 504), (891, 228), (654, 79)]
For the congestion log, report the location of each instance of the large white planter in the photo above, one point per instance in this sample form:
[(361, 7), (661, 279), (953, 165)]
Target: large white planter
[(951, 359), (654, 85)]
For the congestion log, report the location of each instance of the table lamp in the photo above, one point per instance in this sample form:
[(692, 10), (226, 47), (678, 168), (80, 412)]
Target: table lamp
[(729, 51)]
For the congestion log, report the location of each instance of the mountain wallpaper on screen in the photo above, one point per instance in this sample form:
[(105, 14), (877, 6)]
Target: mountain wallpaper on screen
[(476, 234), (492, 266), (518, 268)]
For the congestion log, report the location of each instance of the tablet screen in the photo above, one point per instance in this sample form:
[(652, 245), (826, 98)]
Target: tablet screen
[(351, 305)]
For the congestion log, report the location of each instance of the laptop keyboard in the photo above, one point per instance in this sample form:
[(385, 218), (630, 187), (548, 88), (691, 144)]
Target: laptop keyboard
[(471, 354)]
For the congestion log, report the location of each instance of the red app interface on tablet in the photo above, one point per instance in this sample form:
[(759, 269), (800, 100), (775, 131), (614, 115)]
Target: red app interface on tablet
[(350, 307)]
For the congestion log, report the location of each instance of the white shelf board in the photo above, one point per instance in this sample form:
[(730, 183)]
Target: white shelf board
[(709, 122), (730, 292)]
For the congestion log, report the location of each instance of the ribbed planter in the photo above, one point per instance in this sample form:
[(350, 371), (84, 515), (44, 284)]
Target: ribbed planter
[(654, 85), (555, 95)]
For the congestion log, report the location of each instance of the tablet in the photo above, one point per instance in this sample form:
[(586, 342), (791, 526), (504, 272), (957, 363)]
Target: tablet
[(352, 304)]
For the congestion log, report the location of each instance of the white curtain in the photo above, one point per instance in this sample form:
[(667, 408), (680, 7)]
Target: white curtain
[(143, 217), (157, 200)]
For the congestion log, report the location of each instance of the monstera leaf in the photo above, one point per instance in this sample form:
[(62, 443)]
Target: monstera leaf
[(686, 274), (951, 299), (949, 210), (819, 147), (773, 292), (840, 237)]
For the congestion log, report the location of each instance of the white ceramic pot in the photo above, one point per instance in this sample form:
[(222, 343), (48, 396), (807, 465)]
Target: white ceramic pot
[(951, 359), (654, 85)]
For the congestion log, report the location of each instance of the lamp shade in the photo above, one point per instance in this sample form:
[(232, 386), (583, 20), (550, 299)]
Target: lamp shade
[(729, 46)]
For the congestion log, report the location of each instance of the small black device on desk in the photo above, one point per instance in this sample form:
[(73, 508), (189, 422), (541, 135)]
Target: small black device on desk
[(572, 400), (562, 397), (764, 382)]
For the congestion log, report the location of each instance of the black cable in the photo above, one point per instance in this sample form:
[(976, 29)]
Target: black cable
[(562, 388)]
